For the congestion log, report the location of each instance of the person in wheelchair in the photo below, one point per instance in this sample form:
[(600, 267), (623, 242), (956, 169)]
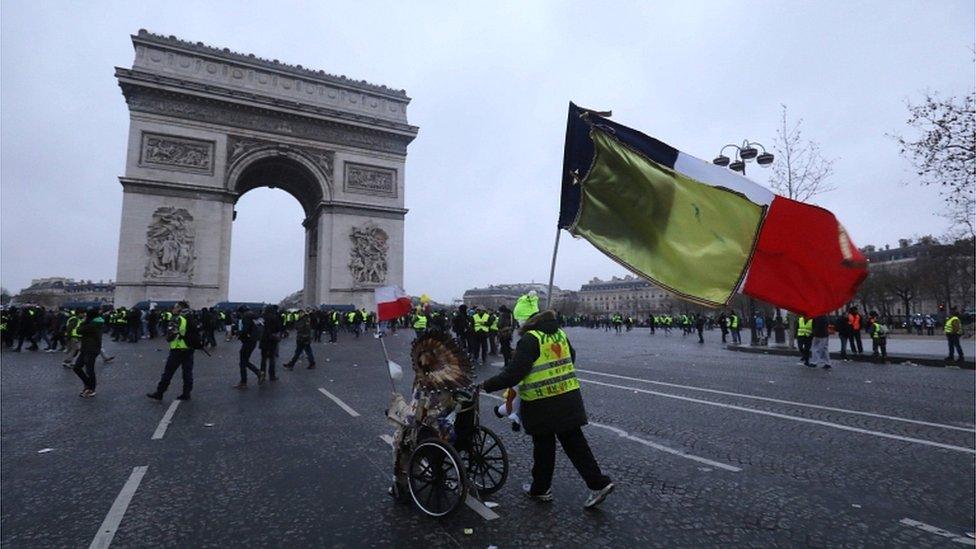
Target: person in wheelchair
[(552, 406)]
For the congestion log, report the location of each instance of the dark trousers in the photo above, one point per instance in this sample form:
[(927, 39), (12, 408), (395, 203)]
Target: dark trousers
[(700, 338), (269, 356), (85, 369), (493, 344), (247, 348), (844, 340), (480, 346), (177, 358), (506, 346), (333, 333), (210, 340), (803, 344), (578, 452), (856, 346), (954, 346), (879, 345), (299, 348)]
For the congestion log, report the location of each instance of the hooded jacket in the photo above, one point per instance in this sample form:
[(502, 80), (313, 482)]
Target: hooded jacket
[(546, 415)]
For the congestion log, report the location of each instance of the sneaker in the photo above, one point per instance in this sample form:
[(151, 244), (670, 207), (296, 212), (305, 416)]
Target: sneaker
[(597, 496), (543, 497), (311, 366), (497, 413), (89, 394), (83, 393), (155, 396), (184, 396), (240, 386), (826, 366), (808, 365), (262, 375), (288, 366)]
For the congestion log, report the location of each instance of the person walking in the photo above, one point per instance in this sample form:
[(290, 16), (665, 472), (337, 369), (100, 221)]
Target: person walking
[(273, 328), (844, 334), (303, 341), (180, 354), (419, 323), (804, 336), (552, 406), (91, 346), (73, 338), (699, 327), (506, 325), (249, 331), (820, 346), (953, 332)]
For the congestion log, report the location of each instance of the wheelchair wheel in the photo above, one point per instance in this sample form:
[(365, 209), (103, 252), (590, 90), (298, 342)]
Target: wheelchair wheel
[(434, 477), (486, 461)]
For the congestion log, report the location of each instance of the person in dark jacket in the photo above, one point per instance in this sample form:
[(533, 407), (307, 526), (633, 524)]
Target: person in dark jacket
[(249, 331), (820, 346), (506, 325), (91, 346), (303, 341), (273, 331), (552, 406)]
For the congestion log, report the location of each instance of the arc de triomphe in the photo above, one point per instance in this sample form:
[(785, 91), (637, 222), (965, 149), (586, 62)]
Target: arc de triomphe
[(207, 125)]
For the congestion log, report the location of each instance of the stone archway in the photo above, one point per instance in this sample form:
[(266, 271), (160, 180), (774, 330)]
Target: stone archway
[(207, 125)]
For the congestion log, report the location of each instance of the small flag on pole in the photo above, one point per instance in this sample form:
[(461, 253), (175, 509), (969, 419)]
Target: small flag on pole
[(698, 230), (391, 302)]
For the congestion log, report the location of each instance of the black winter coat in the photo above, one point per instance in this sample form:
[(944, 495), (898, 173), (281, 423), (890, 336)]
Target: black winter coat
[(545, 415)]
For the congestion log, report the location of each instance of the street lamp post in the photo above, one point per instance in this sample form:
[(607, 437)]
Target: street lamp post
[(747, 152)]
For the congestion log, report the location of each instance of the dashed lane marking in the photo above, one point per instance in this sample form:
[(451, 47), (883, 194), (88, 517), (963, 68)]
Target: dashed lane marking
[(789, 417), (114, 517), (167, 419), (341, 404), (780, 401), (664, 448), (937, 531), (654, 445)]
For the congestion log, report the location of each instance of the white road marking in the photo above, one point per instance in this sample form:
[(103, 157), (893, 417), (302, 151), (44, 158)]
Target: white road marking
[(779, 401), (937, 531), (667, 449), (387, 439), (480, 508), (114, 517), (341, 404), (650, 444), (785, 416), (167, 419)]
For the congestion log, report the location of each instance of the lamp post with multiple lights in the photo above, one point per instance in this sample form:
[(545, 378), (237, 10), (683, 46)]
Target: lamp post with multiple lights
[(747, 152)]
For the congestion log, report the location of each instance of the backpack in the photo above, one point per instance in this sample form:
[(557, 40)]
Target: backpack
[(257, 329), (194, 331)]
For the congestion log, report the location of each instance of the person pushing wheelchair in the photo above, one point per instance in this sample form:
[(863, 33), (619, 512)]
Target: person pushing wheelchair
[(552, 406)]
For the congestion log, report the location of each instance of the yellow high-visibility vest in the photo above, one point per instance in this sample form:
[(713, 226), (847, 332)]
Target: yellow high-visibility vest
[(553, 372), (804, 326), (481, 322)]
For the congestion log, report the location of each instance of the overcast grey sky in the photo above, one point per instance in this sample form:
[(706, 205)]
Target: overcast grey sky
[(490, 83)]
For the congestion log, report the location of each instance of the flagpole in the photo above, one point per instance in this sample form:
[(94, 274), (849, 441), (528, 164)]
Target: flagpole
[(387, 356), (552, 268)]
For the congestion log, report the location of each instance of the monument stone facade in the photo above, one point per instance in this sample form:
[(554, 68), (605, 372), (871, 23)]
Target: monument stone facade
[(207, 125)]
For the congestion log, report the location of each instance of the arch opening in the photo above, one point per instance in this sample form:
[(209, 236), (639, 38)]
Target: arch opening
[(283, 173)]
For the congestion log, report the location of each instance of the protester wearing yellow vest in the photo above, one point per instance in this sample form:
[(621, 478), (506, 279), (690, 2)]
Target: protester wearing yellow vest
[(480, 326), (73, 338), (419, 322), (804, 338), (552, 406), (180, 354), (953, 332)]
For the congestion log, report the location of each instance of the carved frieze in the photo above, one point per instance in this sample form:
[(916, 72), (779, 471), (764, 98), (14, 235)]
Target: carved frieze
[(362, 179), (170, 244), (257, 119), (169, 152), (368, 256)]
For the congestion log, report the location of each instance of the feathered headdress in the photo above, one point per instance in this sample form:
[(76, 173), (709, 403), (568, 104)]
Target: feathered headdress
[(438, 362)]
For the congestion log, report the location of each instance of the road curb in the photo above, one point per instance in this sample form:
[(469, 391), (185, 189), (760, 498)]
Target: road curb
[(893, 359)]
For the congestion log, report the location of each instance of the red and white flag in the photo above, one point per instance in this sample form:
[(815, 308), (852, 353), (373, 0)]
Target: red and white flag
[(391, 302)]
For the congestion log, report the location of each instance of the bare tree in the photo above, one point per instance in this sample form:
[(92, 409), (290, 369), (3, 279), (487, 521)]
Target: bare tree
[(944, 154), (800, 170)]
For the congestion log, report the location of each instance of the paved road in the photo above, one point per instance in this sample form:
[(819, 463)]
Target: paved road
[(707, 447)]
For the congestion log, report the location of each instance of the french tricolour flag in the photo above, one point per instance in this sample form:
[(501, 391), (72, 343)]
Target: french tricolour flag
[(391, 302)]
